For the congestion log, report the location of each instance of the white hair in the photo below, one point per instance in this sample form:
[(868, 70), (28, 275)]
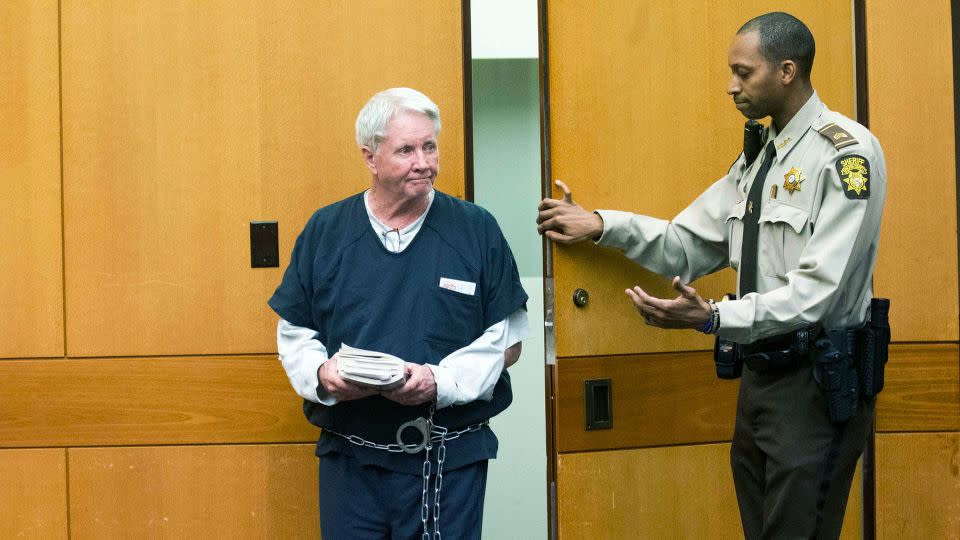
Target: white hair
[(374, 116)]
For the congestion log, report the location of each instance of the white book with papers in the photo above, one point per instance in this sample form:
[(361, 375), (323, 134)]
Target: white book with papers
[(370, 368)]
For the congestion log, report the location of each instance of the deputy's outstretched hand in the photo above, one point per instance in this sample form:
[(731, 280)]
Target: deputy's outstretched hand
[(339, 388), (419, 388), (566, 222), (687, 310)]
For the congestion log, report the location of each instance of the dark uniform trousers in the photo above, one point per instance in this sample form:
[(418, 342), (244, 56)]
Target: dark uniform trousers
[(366, 502), (792, 467)]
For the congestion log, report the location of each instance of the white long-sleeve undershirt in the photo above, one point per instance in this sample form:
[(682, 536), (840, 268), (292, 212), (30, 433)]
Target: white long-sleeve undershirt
[(465, 375)]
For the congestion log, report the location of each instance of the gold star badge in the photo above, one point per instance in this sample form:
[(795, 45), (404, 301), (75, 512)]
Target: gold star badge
[(791, 180)]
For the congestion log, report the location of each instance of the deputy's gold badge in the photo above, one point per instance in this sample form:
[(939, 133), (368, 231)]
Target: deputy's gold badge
[(855, 173), (791, 180)]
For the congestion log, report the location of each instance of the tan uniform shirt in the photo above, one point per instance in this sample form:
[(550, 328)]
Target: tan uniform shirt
[(819, 229)]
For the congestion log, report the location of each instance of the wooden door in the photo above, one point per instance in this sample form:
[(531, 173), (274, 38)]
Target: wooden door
[(638, 119)]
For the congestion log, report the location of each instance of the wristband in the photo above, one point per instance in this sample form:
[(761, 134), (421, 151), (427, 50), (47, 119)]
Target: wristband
[(712, 324)]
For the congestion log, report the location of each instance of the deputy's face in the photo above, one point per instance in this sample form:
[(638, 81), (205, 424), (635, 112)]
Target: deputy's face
[(407, 162), (754, 82)]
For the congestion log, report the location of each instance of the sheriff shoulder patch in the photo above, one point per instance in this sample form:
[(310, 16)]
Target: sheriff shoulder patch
[(854, 174), (837, 135)]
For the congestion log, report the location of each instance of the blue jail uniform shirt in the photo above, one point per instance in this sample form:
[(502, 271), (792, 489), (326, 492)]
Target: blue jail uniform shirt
[(345, 285)]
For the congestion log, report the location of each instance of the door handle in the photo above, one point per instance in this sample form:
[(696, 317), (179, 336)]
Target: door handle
[(581, 297)]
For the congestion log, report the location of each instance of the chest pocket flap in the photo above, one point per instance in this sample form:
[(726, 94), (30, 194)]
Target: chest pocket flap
[(783, 236), (775, 211), (738, 210)]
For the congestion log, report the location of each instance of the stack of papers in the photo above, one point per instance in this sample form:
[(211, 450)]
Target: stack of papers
[(370, 368)]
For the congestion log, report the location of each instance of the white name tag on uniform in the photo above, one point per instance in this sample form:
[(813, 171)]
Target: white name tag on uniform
[(462, 287)]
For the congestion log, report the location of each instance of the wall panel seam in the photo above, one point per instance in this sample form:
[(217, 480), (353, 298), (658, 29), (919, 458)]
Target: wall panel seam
[(63, 255), (66, 471)]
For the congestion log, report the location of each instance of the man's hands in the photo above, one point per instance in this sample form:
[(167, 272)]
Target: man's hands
[(340, 389), (419, 388), (566, 222), (685, 311), (512, 354)]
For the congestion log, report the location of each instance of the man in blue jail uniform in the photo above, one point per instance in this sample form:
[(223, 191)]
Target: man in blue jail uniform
[(406, 270), (800, 222)]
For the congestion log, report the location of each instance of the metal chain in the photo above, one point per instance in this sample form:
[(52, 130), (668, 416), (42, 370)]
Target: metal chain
[(441, 456), (437, 434), (396, 448), (424, 508)]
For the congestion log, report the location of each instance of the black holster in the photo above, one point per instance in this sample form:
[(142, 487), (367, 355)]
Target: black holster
[(849, 363), (834, 368)]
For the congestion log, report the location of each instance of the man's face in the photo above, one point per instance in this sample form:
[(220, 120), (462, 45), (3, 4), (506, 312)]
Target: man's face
[(754, 83), (407, 162)]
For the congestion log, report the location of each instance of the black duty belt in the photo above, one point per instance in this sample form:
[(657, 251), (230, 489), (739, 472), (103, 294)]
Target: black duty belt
[(780, 353)]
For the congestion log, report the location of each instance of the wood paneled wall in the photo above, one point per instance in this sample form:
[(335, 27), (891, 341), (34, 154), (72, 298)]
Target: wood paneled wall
[(666, 492), (33, 493), (911, 98), (237, 491), (31, 279), (910, 69), (184, 121), (140, 394), (149, 400), (918, 486)]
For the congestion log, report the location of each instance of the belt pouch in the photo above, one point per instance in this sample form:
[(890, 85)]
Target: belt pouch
[(727, 358)]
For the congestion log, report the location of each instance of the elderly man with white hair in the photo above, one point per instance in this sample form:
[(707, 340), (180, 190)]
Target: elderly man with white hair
[(408, 271)]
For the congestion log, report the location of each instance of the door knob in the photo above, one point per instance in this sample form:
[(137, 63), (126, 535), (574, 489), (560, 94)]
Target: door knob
[(581, 297)]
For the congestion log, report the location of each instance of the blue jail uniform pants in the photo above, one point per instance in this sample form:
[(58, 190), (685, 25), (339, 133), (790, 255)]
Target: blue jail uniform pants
[(366, 502)]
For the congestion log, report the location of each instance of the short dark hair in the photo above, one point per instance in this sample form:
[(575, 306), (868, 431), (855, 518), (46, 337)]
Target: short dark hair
[(784, 37)]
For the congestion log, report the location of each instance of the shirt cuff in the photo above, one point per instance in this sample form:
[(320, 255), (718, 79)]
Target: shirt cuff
[(323, 397), (446, 386), (734, 324), (518, 327), (610, 220), (623, 230)]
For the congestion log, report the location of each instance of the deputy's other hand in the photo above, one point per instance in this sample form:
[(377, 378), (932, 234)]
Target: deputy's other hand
[(565, 222), (419, 388), (687, 310), (339, 388)]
